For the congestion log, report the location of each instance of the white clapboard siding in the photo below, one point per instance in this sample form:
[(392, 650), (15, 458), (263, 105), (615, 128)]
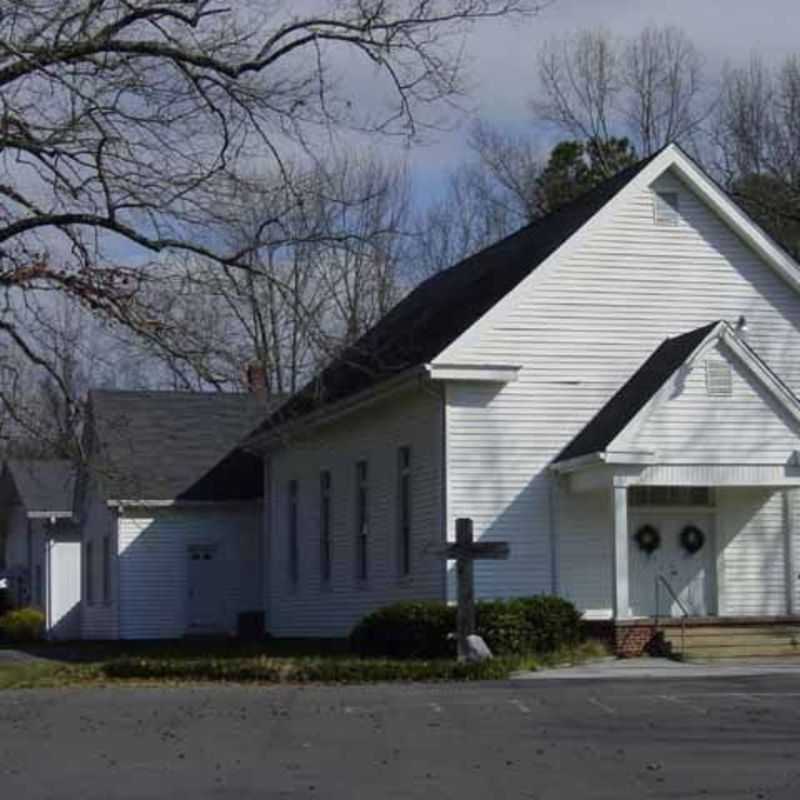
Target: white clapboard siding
[(153, 559), (746, 426), (579, 330), (99, 620), (584, 552), (311, 608), (751, 538)]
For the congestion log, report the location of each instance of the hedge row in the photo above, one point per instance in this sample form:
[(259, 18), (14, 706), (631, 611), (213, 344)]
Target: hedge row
[(304, 670), (420, 629)]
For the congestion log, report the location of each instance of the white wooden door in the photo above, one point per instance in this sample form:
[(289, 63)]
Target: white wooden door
[(64, 590), (206, 609), (689, 574)]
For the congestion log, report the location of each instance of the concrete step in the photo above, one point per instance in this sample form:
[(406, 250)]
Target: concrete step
[(734, 641), (730, 629), (721, 640), (740, 651)]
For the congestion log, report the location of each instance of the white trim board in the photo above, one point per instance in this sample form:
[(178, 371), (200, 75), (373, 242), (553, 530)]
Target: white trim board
[(672, 157)]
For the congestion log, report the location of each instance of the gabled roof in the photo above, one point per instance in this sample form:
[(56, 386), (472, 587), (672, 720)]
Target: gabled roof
[(167, 446), (43, 487), (614, 417), (440, 309)]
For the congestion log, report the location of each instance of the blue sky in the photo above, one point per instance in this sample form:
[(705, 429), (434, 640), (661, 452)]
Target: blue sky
[(501, 57)]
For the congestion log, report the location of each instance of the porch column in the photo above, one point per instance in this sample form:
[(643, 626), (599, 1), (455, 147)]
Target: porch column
[(622, 607), (790, 532)]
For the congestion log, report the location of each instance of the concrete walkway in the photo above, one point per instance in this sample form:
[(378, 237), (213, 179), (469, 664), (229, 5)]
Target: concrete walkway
[(621, 669)]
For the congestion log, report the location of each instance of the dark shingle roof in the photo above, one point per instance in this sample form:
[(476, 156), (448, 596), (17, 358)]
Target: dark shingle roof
[(439, 310), (175, 445), (43, 486), (615, 415)]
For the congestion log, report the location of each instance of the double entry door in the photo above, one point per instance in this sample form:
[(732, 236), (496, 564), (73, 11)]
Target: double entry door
[(689, 574)]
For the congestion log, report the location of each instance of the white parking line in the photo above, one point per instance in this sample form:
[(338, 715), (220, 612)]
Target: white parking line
[(520, 705), (681, 702), (602, 706)]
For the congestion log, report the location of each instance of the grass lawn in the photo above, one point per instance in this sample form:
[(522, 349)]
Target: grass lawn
[(270, 662)]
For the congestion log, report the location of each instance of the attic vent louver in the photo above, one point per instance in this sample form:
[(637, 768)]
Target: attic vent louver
[(666, 209), (719, 381)]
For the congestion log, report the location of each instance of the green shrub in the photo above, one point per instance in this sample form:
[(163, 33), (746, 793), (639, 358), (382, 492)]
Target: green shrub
[(540, 624), (415, 629), (5, 601), (23, 625), (552, 622), (306, 670)]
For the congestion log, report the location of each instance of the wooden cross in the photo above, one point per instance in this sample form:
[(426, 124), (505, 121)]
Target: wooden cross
[(465, 551)]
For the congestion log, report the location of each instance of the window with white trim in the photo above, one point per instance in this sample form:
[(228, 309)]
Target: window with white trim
[(107, 570), (362, 521), (642, 496), (39, 587), (325, 526), (89, 556), (294, 551), (404, 509)]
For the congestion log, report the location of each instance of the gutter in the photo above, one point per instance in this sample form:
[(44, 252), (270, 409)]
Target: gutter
[(277, 436), (599, 457), (121, 504)]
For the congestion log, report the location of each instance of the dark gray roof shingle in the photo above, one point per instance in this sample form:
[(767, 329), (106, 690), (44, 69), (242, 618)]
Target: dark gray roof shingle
[(615, 415), (43, 486), (175, 445), (439, 310)]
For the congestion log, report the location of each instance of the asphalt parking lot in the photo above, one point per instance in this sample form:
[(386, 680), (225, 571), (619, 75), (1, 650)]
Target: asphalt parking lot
[(720, 738)]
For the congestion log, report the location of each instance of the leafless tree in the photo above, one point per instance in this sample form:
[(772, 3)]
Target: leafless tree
[(757, 143), (662, 78), (328, 273), (649, 88), (581, 81), (119, 118)]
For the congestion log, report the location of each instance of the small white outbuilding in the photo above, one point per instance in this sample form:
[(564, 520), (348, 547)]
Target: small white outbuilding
[(42, 551)]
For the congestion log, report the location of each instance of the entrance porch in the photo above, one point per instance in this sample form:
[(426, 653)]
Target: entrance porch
[(705, 565)]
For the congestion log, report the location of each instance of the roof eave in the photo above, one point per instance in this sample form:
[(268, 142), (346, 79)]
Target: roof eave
[(277, 436)]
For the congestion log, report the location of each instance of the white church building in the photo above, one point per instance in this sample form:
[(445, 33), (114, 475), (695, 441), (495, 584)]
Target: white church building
[(612, 390)]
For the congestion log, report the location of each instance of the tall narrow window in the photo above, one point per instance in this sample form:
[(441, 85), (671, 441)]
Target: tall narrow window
[(362, 521), (404, 508), (107, 569), (294, 571), (39, 587), (89, 574), (325, 526)]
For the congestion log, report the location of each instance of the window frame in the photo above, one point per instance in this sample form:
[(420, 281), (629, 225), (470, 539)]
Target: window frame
[(325, 527), (405, 514), (106, 557), (89, 566), (362, 520), (293, 526), (38, 586)]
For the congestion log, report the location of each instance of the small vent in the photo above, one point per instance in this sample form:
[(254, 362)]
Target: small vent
[(719, 382), (667, 210)]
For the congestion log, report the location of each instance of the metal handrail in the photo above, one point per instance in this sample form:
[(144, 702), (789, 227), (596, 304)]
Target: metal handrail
[(660, 579)]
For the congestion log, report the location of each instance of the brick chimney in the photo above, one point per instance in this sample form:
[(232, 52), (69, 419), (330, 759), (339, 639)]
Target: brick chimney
[(256, 377)]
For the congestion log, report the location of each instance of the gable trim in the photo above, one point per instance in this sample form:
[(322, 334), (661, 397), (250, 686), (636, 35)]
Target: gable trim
[(672, 157), (745, 355)]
